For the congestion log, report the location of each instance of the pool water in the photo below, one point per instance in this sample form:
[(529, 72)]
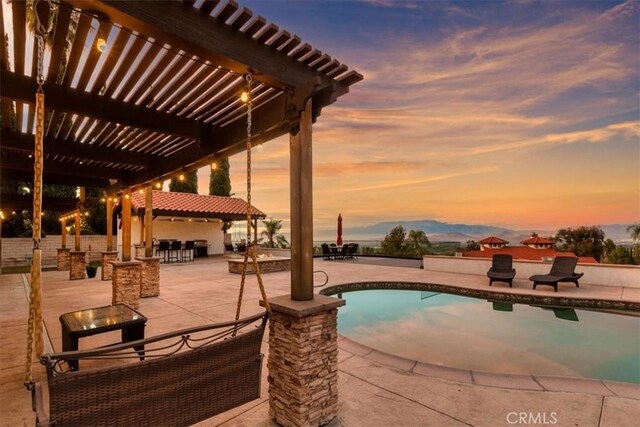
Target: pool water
[(476, 334)]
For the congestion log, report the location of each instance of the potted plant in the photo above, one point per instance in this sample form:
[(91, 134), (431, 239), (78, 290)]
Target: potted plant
[(92, 268)]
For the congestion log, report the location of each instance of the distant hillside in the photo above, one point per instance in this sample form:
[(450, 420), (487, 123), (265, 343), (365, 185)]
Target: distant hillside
[(443, 231)]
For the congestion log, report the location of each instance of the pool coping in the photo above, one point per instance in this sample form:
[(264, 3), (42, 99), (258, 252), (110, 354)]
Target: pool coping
[(490, 379)]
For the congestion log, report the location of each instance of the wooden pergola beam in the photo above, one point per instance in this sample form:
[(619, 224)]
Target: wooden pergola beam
[(25, 202), (56, 146), (60, 98), (187, 28)]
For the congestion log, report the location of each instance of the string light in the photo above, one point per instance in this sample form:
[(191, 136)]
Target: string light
[(127, 196), (259, 147), (101, 45), (244, 97), (181, 177), (141, 191), (214, 166), (158, 185)]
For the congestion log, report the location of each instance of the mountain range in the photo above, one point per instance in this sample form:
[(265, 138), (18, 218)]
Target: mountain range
[(443, 231)]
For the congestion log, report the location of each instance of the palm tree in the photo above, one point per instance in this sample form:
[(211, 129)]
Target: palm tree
[(419, 242), (272, 234), (634, 229)]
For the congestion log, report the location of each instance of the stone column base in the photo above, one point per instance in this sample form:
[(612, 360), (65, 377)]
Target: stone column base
[(126, 283), (63, 261), (303, 360), (140, 251), (77, 265), (149, 276), (107, 267)]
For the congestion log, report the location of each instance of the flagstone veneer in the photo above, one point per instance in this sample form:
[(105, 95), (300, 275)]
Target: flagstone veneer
[(149, 276), (108, 258), (77, 265), (63, 259), (126, 283)]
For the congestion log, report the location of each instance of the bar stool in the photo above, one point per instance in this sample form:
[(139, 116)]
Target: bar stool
[(176, 246), (187, 251), (163, 250)]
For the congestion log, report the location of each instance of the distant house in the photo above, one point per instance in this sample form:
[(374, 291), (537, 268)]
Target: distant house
[(187, 216), (535, 248)]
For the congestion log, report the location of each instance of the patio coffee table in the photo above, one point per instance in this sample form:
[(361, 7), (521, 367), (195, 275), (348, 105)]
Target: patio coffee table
[(93, 321)]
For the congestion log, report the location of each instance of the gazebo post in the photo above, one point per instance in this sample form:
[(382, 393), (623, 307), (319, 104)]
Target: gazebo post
[(63, 233), (110, 256), (77, 258), (255, 231), (303, 339), (125, 278), (148, 221)]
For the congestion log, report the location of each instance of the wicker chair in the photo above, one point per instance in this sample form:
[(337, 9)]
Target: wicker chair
[(202, 372), (501, 269), (562, 270)]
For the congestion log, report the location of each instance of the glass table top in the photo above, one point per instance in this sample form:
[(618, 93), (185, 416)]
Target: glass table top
[(101, 317)]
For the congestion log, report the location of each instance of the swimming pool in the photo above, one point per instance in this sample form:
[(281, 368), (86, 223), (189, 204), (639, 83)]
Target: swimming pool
[(495, 336)]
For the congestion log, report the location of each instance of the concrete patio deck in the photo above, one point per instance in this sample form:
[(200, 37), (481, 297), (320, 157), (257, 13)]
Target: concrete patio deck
[(376, 389)]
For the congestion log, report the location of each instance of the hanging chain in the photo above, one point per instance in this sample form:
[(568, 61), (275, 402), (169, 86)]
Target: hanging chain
[(251, 246)]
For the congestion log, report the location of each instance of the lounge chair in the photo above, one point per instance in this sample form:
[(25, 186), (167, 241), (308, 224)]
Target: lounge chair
[(326, 252), (562, 270), (501, 270)]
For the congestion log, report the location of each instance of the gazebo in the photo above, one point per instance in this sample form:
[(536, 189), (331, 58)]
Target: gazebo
[(137, 92)]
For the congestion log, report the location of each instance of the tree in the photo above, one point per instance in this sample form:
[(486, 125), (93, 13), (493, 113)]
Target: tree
[(188, 185), (634, 230), (219, 180), (272, 234), (583, 241), (472, 245), (418, 243), (394, 242)]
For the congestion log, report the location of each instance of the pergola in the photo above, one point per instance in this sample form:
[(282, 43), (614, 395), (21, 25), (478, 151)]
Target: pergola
[(152, 89)]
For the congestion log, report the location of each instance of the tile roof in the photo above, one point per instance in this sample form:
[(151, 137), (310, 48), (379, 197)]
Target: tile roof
[(492, 240), (189, 203), (526, 253), (537, 240)]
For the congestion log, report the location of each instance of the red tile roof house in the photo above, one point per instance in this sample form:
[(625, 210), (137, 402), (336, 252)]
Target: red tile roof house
[(535, 248), (187, 216)]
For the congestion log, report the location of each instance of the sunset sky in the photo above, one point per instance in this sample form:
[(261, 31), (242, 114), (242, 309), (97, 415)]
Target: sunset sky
[(516, 113)]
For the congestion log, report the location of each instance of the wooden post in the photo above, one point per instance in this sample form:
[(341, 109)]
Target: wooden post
[(1, 216), (148, 222), (142, 227), (126, 225), (302, 209), (255, 231), (77, 224), (63, 233), (109, 223)]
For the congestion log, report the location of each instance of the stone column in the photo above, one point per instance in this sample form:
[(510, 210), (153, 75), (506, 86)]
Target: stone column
[(126, 283), (140, 251), (149, 276), (108, 258), (63, 260), (303, 360), (77, 265)]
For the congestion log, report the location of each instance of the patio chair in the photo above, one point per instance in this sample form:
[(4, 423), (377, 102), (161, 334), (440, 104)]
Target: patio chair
[(242, 247), (501, 269), (326, 252), (353, 250), (228, 247), (174, 251), (187, 251), (334, 251), (163, 250), (346, 251), (562, 270)]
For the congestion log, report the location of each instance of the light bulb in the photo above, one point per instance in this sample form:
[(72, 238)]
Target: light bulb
[(259, 148), (101, 45), (214, 166), (126, 196), (244, 97), (181, 177), (158, 185), (141, 191)]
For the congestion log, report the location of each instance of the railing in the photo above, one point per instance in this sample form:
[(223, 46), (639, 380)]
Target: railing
[(373, 248)]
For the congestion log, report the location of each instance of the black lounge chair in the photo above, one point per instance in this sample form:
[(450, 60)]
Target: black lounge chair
[(562, 270), (501, 269), (326, 252)]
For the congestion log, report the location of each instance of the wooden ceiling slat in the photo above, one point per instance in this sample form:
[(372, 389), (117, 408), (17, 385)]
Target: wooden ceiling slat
[(132, 54), (75, 127), (227, 11), (337, 71), (59, 42), (281, 39), (327, 68), (208, 6), (195, 99), (203, 80), (145, 136), (135, 76), (114, 54), (350, 78), (50, 178), (84, 25), (315, 54), (104, 134), (271, 31), (117, 136), (4, 58), (53, 122), (293, 43), (164, 81), (148, 142), (162, 65), (177, 83), (242, 19), (153, 142), (302, 51), (235, 108), (67, 124), (31, 117), (256, 26), (88, 131), (321, 62), (19, 12), (94, 55), (230, 92), (170, 142)]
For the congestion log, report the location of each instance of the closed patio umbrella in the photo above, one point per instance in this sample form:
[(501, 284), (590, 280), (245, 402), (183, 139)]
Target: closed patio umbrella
[(339, 240)]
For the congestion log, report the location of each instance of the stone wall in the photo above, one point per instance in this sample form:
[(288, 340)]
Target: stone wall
[(16, 251), (267, 265), (108, 258), (77, 265)]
